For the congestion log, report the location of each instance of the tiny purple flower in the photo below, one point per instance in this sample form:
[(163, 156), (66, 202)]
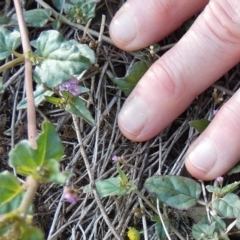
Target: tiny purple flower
[(70, 195), (70, 86), (220, 180), (114, 158)]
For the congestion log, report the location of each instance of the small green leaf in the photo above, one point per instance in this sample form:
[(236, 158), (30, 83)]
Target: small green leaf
[(53, 167), (9, 41), (4, 20), (134, 74), (81, 10), (108, 187), (32, 233), (155, 218), (58, 4), (220, 224), (56, 24), (160, 230), (228, 206), (230, 188), (78, 108), (39, 96), (9, 187), (122, 175), (236, 169), (49, 144), (213, 189), (54, 100), (61, 59), (200, 125), (27, 160), (203, 231), (175, 191), (37, 17)]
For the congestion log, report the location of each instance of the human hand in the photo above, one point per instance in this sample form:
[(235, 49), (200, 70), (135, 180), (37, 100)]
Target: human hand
[(208, 50)]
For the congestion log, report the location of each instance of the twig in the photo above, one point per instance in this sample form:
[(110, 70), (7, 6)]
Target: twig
[(145, 233), (99, 203), (161, 218), (205, 200)]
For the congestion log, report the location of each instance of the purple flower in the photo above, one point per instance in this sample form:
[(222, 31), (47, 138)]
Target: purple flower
[(114, 158), (220, 180), (70, 86), (70, 195)]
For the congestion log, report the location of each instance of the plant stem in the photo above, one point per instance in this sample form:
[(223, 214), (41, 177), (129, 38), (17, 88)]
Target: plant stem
[(146, 200), (32, 186), (12, 63), (31, 115)]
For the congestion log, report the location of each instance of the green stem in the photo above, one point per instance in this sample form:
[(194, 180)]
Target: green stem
[(146, 200), (32, 186), (16, 54), (12, 63)]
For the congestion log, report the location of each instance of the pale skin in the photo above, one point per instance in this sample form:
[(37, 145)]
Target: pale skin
[(206, 52)]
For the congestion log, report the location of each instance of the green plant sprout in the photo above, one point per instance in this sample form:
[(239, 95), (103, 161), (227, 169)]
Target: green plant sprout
[(179, 193), (42, 165)]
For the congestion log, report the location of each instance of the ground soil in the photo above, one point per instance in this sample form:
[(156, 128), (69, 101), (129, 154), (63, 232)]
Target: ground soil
[(163, 154)]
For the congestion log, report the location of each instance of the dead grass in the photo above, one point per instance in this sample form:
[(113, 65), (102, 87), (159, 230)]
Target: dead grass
[(164, 154)]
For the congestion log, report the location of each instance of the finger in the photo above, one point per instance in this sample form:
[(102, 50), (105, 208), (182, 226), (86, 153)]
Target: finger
[(217, 149), (139, 24), (205, 53)]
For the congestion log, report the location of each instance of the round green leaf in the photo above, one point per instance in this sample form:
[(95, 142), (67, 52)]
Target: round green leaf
[(175, 191), (37, 17), (108, 187), (60, 59), (228, 206), (9, 41)]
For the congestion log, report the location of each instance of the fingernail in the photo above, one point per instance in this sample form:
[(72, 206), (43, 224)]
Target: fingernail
[(133, 116), (123, 28), (204, 155)]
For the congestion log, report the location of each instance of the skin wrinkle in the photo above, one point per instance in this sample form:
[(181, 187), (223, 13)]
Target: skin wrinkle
[(223, 31), (230, 17)]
